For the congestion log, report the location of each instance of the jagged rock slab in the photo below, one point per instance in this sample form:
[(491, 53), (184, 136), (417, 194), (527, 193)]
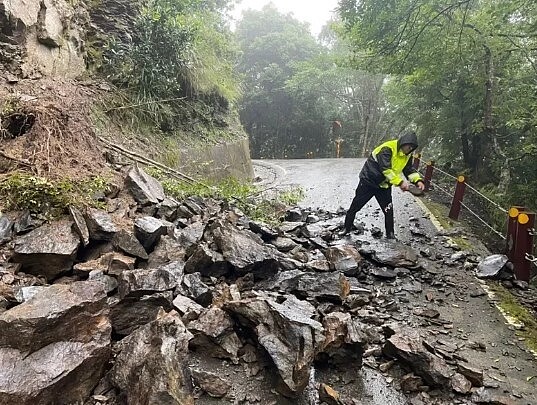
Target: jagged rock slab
[(130, 245), (48, 250), (407, 346), (333, 286), (141, 282), (391, 254), (59, 340), (245, 250), (130, 313), (145, 189), (214, 334), (287, 332), (6, 229), (151, 366), (207, 262), (343, 258), (101, 227), (148, 231)]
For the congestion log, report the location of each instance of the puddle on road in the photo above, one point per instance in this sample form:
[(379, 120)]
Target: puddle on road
[(368, 386)]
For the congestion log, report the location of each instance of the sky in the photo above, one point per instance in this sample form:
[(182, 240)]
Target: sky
[(315, 12)]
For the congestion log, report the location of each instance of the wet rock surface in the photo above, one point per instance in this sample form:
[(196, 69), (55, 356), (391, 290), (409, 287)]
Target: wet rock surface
[(223, 308)]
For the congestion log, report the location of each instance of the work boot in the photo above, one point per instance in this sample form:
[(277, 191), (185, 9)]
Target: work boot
[(390, 235), (343, 233)]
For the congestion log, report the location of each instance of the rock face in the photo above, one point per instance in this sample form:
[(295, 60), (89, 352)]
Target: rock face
[(48, 250), (59, 340), (47, 37), (150, 367)]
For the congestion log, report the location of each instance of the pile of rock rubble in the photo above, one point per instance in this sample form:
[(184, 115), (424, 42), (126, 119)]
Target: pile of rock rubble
[(157, 301)]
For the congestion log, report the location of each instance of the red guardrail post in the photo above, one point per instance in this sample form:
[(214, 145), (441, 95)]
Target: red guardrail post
[(512, 221), (416, 161), (460, 187), (428, 175), (524, 245)]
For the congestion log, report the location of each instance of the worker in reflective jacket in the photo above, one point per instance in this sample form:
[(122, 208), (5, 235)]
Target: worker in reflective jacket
[(383, 169)]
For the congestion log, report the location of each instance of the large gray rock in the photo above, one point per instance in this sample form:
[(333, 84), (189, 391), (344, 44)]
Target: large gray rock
[(100, 225), (407, 346), (150, 369), (54, 347), (48, 250), (190, 237), (332, 286), (6, 229), (141, 282), (167, 250), (187, 308), (145, 189), (286, 331), (148, 231), (245, 250), (493, 266), (207, 262), (127, 243), (391, 254), (131, 312), (193, 287), (214, 334)]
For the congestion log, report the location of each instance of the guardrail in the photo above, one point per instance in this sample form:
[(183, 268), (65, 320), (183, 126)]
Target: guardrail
[(519, 235)]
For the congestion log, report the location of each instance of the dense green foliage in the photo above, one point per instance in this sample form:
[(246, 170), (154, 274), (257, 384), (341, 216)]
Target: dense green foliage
[(295, 87), (464, 74), (179, 66)]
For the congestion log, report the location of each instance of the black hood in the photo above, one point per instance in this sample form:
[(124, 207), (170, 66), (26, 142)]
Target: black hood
[(409, 138)]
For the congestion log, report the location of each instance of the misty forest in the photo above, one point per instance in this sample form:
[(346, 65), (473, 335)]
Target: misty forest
[(462, 74)]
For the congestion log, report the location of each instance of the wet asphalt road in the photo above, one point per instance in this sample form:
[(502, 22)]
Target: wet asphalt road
[(329, 184)]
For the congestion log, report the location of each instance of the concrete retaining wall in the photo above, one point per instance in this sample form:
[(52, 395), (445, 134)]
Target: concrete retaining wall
[(218, 161)]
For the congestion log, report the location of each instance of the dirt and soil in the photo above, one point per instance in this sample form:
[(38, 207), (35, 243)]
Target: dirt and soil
[(45, 129)]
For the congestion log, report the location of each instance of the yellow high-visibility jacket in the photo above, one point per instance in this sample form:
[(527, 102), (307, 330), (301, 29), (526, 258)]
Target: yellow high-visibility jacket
[(387, 163)]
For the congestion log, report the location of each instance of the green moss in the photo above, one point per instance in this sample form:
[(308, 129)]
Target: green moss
[(464, 244), (292, 196), (440, 212), (49, 198), (509, 304)]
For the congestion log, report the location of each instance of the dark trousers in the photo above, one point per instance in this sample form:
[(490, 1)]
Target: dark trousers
[(364, 193)]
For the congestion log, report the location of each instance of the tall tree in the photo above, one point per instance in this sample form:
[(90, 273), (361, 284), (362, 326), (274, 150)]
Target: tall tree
[(458, 68), (272, 44)]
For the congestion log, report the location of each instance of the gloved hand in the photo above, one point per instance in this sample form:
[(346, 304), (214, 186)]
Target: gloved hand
[(404, 185)]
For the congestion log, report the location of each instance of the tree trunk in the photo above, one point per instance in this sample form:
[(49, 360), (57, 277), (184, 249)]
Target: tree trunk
[(483, 146)]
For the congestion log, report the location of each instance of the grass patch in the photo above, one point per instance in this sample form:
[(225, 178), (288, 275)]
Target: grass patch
[(508, 303), (49, 198)]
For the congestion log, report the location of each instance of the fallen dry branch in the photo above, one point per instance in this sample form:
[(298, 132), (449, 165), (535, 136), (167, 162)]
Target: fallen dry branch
[(145, 160)]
